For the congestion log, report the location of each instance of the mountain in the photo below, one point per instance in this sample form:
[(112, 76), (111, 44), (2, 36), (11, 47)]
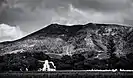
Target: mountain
[(97, 39)]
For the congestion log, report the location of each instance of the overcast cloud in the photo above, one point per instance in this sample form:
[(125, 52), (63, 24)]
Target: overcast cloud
[(31, 15)]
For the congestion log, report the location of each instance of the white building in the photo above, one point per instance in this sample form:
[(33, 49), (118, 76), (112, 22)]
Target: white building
[(48, 66)]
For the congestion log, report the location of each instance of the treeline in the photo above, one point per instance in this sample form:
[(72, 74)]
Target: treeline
[(78, 62), (21, 61)]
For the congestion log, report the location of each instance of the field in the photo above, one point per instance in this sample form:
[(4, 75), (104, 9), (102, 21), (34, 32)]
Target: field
[(67, 74)]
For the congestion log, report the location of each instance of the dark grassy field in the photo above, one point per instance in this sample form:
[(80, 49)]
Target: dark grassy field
[(67, 74)]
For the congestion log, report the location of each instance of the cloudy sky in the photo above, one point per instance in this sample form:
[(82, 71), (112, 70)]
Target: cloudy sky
[(26, 16)]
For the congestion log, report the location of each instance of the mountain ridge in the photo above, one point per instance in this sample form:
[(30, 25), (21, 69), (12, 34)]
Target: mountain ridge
[(63, 39), (55, 24)]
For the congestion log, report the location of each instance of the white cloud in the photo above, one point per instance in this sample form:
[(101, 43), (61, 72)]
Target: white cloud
[(8, 33)]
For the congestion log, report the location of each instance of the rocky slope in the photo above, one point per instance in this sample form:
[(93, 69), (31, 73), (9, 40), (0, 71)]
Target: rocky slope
[(77, 39)]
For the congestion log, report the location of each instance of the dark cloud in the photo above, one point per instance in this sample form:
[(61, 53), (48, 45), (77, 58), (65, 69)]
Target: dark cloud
[(103, 5)]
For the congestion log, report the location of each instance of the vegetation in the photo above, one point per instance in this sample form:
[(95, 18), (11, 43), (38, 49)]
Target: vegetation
[(21, 61)]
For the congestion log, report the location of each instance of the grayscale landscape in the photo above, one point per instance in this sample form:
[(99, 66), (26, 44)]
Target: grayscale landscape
[(66, 38)]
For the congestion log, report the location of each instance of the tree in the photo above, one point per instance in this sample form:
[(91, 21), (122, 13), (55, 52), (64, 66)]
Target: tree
[(1, 59), (124, 63), (32, 63), (66, 59), (87, 64), (111, 46), (63, 66), (78, 61), (17, 62), (110, 50), (41, 56), (3, 67), (78, 57)]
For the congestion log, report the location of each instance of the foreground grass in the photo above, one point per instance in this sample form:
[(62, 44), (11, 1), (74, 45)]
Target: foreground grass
[(67, 74)]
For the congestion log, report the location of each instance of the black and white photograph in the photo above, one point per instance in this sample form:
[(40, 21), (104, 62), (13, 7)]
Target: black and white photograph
[(66, 38)]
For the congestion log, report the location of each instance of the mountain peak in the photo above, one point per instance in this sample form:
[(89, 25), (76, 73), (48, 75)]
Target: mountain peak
[(55, 25)]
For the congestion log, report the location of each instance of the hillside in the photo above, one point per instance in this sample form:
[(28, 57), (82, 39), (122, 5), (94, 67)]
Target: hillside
[(77, 47), (68, 40)]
